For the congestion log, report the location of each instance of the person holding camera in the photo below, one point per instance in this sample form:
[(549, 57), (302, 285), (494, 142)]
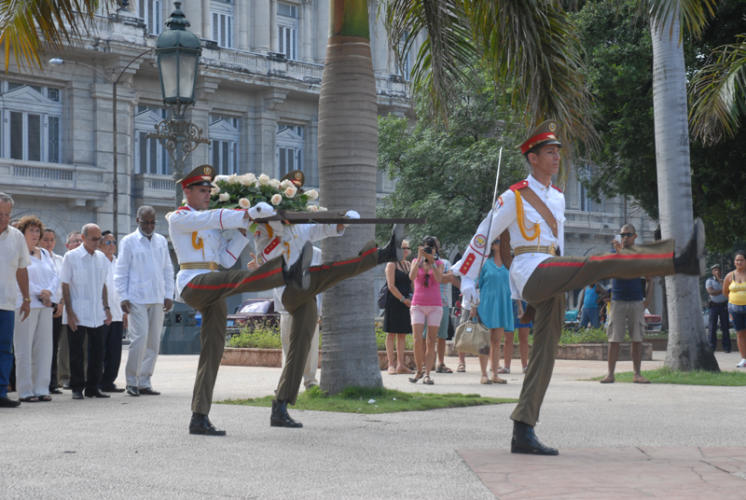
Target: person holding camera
[(426, 273)]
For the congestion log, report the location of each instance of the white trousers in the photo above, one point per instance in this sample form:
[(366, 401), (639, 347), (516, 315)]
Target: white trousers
[(312, 362), (32, 343), (144, 328)]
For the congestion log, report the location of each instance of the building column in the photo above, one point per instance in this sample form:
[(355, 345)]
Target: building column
[(261, 27), (262, 157)]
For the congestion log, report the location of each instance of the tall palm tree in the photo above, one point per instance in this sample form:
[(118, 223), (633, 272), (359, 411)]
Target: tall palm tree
[(348, 147), (57, 21), (687, 346), (717, 93)]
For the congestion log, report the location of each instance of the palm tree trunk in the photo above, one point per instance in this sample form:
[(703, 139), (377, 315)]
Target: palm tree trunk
[(687, 344), (348, 145)]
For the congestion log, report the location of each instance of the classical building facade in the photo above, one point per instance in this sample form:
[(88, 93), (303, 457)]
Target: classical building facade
[(256, 100)]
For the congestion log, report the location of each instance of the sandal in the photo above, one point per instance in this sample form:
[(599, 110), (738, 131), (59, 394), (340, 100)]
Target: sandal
[(461, 368), (30, 399), (485, 380), (427, 380), (498, 380), (442, 368), (392, 370), (404, 370), (418, 376), (45, 398), (503, 371)]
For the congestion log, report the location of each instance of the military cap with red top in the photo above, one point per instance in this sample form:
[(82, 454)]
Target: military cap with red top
[(545, 133), (200, 176)]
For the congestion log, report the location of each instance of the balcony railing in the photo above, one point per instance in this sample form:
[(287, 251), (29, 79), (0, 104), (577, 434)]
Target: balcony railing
[(55, 176)]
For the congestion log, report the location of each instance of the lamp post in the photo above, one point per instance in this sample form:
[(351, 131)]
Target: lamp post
[(114, 131), (177, 50)]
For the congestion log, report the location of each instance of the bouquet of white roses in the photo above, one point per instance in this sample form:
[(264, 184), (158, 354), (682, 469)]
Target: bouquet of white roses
[(246, 190)]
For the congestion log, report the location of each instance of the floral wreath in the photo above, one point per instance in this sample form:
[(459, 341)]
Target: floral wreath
[(246, 190)]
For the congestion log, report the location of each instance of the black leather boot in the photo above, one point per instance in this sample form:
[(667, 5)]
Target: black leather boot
[(525, 441), (298, 274), (280, 417), (392, 252), (200, 424), (692, 258)]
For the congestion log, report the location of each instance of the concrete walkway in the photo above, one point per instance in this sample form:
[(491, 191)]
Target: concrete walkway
[(615, 441)]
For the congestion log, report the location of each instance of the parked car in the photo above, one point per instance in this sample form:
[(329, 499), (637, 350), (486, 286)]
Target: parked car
[(252, 311), (653, 322)]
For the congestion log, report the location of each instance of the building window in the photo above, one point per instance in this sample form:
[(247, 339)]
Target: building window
[(150, 12), (30, 122), (585, 202), (221, 13), (405, 65), (225, 135), (289, 152), (287, 30), (150, 156)]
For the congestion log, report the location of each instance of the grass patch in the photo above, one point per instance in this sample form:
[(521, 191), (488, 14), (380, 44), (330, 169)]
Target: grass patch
[(376, 400), (700, 377)]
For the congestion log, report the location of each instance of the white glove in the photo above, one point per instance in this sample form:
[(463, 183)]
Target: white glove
[(469, 291), (351, 214), (261, 209)]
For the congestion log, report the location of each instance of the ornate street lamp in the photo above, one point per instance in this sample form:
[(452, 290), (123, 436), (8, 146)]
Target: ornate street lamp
[(177, 50)]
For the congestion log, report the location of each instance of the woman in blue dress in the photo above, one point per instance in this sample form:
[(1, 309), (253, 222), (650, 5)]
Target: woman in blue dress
[(495, 308)]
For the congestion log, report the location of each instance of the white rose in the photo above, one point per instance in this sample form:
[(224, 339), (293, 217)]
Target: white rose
[(323, 209), (244, 203), (276, 199), (215, 190), (290, 191), (312, 208), (221, 178), (287, 182), (246, 179), (312, 194), (263, 179), (274, 183), (224, 197), (233, 179)]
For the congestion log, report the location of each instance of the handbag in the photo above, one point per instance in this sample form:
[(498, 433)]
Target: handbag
[(382, 293), (473, 337)]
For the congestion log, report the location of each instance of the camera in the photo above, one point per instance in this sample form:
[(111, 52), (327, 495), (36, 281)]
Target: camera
[(430, 245)]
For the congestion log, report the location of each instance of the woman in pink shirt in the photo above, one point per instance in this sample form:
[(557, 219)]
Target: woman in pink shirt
[(426, 274)]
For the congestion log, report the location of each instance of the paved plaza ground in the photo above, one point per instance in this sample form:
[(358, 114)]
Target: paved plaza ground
[(615, 441)]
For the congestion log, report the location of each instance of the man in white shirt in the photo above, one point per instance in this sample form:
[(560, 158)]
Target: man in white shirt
[(13, 277), (74, 240), (84, 272), (144, 278), (113, 331)]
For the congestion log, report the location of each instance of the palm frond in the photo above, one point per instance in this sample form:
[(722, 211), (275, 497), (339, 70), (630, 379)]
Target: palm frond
[(693, 14), (716, 94), (534, 44), (26, 24), (445, 50)]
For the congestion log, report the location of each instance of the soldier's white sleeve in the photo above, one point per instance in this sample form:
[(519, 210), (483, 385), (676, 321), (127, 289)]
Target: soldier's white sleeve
[(317, 232), (267, 243), (168, 270), (231, 248), (503, 214), (193, 220)]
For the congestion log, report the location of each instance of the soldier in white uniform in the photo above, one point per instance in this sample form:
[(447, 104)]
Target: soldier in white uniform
[(203, 241), (531, 214), (289, 240)]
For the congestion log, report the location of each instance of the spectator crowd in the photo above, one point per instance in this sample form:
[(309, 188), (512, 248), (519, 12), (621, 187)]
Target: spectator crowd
[(63, 317)]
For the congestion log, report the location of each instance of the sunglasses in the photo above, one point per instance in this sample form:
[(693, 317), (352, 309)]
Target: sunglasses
[(110, 242), (405, 248), (626, 235)]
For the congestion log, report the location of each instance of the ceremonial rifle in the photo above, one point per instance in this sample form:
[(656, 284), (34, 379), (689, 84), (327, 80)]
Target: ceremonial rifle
[(335, 218)]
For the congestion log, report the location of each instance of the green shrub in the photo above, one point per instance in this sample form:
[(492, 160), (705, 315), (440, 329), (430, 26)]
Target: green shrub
[(381, 340), (583, 336), (258, 335)]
